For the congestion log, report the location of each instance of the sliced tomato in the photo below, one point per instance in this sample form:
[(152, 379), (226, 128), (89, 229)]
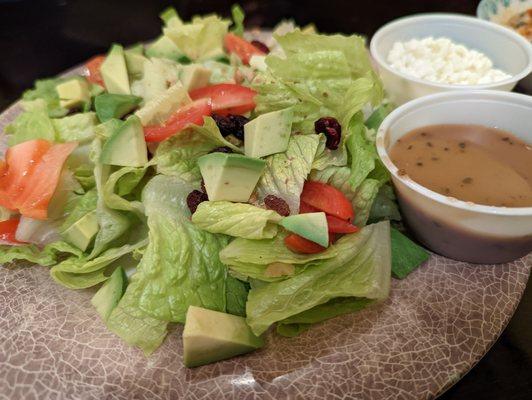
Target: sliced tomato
[(299, 244), (20, 162), (327, 199), (305, 208), (241, 47), (227, 98), (41, 185), (337, 225), (8, 230), (93, 66), (190, 114)]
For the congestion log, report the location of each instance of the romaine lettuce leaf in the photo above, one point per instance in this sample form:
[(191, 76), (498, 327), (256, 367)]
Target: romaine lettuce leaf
[(285, 173), (180, 267), (83, 205), (200, 39), (385, 205), (406, 255), (45, 90), (78, 127), (238, 20), (178, 155), (236, 219), (236, 295), (30, 125), (361, 269), (299, 323)]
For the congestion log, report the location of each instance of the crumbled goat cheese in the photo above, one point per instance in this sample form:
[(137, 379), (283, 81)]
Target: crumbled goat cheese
[(442, 60)]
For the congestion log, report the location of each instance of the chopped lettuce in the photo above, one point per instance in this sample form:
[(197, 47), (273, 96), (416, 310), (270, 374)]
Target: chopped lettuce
[(361, 269), (44, 90), (77, 127), (236, 219), (385, 205), (200, 39), (238, 20), (236, 295), (83, 205), (406, 255), (30, 125), (286, 173), (296, 324), (178, 155), (363, 154)]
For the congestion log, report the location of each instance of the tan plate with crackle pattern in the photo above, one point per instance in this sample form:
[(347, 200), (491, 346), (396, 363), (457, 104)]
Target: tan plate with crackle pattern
[(434, 327)]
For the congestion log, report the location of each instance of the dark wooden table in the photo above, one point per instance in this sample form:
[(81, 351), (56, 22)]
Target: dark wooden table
[(42, 38)]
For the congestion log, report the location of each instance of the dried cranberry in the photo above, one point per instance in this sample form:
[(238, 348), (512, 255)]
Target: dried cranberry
[(222, 149), (238, 125), (194, 199), (332, 130), (261, 46), (277, 204), (231, 124)]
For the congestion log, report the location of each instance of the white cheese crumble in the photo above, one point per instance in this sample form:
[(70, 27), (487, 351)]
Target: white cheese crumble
[(444, 61)]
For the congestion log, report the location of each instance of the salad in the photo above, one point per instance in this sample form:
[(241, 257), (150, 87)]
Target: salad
[(226, 184)]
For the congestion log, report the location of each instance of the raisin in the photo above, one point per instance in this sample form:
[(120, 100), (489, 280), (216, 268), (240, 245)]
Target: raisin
[(194, 199), (222, 149), (261, 46), (332, 130), (277, 204), (231, 124)]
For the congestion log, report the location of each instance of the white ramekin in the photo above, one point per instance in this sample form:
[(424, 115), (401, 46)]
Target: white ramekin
[(454, 228), (508, 51)]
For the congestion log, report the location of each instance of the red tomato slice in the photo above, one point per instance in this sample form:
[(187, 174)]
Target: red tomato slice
[(8, 230), (305, 208), (43, 181), (328, 199), (190, 114), (93, 66), (299, 244), (21, 160), (227, 98), (337, 225), (241, 47)]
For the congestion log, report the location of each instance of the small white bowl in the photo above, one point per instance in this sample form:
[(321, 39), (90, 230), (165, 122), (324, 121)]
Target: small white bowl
[(509, 52), (457, 229)]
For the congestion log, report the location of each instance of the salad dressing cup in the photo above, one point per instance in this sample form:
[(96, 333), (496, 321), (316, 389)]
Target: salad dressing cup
[(454, 228)]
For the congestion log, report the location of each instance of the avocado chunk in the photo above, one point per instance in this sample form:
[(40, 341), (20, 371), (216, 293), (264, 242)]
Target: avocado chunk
[(230, 177), (195, 76), (81, 233), (73, 93), (110, 293), (135, 61), (114, 71), (110, 106), (311, 226), (107, 128), (126, 147), (211, 336), (164, 47), (268, 133)]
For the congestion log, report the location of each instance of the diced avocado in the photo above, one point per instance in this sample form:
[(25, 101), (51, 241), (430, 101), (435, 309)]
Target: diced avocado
[(73, 93), (194, 76), (114, 71), (158, 74), (311, 226), (230, 177), (108, 296), (115, 105), (126, 147), (107, 128), (157, 110), (82, 231), (164, 47), (135, 61), (268, 133), (211, 336)]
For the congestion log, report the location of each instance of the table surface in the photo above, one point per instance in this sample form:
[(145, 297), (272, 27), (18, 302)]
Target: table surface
[(40, 38)]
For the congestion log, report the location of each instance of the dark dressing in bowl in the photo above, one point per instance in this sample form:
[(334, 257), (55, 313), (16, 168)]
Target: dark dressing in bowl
[(469, 162)]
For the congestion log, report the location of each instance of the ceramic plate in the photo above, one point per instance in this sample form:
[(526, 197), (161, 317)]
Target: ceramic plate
[(434, 327)]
